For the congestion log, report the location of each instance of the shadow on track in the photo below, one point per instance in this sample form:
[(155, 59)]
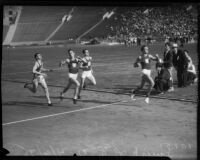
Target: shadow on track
[(79, 100), (29, 104)]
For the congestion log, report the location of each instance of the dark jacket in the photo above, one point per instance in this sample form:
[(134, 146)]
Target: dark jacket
[(163, 74), (168, 59), (180, 61), (162, 81)]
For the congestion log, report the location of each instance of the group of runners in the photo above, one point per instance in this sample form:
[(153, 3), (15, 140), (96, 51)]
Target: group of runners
[(76, 62)]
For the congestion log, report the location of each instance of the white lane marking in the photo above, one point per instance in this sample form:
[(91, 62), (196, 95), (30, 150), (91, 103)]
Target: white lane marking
[(52, 115)]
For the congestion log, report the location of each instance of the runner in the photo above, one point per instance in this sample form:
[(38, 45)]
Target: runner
[(73, 65), (39, 77), (87, 70), (144, 61)]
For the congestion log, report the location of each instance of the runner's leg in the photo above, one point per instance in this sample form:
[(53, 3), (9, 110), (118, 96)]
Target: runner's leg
[(46, 90), (33, 89), (76, 92), (149, 80)]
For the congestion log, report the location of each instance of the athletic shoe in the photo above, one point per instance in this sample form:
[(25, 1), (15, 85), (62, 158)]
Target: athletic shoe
[(132, 91), (74, 100), (84, 86), (147, 100), (50, 104), (79, 97), (26, 84), (133, 97), (161, 93), (61, 96), (170, 89)]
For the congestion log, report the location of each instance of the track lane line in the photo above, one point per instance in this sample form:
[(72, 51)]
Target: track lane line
[(62, 113)]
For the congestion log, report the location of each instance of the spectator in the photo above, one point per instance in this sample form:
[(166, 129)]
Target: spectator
[(180, 63), (168, 63), (162, 80), (191, 71)]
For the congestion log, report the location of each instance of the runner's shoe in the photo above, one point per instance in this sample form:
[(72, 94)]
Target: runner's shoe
[(170, 89), (61, 96), (74, 100), (26, 84), (84, 86), (147, 100), (79, 97)]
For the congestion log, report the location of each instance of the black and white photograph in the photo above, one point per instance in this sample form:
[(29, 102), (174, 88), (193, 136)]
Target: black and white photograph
[(100, 80)]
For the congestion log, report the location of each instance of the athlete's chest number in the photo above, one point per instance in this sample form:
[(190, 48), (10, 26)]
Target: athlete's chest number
[(74, 65), (146, 60)]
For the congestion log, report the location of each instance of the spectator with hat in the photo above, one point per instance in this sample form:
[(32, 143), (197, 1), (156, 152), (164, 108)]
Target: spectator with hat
[(180, 63)]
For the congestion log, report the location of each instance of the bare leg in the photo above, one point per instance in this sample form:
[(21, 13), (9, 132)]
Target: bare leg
[(92, 80), (140, 86), (76, 91), (151, 84), (33, 89), (81, 86), (67, 87), (46, 90)]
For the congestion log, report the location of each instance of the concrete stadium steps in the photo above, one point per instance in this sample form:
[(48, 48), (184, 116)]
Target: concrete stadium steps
[(83, 18), (102, 30), (43, 13), (33, 31), (5, 31)]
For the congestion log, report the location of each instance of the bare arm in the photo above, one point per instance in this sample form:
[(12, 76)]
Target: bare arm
[(154, 58), (64, 62), (137, 62)]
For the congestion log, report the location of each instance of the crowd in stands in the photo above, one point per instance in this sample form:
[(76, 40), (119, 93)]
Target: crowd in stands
[(172, 23)]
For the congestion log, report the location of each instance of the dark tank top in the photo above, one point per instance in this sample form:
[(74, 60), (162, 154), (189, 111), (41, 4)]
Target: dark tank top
[(145, 62), (86, 64), (73, 66)]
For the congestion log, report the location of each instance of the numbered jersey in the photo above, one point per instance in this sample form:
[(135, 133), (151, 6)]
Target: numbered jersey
[(145, 61), (87, 63), (73, 66)]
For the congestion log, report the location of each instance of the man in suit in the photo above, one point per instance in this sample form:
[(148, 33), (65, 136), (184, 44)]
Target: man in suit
[(180, 63), (168, 63)]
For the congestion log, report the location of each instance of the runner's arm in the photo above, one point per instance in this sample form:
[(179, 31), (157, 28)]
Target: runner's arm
[(137, 62), (35, 70), (155, 58), (63, 62)]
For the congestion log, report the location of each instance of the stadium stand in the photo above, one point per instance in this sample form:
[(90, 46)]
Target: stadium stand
[(83, 18), (33, 31), (161, 21), (37, 22), (5, 31), (43, 13)]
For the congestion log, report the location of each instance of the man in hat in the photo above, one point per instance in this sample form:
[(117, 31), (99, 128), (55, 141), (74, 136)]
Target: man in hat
[(180, 63), (168, 63)]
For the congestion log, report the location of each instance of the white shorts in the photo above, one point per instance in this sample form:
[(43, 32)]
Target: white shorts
[(86, 74), (40, 79), (146, 72), (72, 75)]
